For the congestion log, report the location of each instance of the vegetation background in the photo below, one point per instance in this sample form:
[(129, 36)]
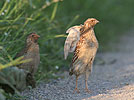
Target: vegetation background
[(50, 19)]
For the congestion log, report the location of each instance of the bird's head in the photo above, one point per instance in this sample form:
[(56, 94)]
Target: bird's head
[(90, 22), (32, 37)]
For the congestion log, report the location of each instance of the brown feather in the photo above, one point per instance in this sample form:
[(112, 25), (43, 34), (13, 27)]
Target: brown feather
[(31, 51), (85, 51)]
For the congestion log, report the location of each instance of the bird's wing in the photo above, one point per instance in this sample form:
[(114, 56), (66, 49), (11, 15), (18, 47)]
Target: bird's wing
[(71, 40), (22, 53)]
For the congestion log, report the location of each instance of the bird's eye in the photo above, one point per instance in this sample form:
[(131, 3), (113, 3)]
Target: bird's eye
[(32, 35)]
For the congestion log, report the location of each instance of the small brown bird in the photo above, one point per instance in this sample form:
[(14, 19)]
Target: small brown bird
[(85, 48), (31, 51)]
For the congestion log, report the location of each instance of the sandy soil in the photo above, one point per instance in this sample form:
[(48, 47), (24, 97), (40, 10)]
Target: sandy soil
[(111, 79)]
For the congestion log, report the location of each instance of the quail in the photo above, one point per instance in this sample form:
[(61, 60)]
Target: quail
[(84, 43), (31, 51)]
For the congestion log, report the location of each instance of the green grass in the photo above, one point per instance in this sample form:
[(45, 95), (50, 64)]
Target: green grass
[(50, 20)]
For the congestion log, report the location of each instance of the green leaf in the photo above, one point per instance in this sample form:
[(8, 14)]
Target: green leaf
[(54, 11), (2, 97)]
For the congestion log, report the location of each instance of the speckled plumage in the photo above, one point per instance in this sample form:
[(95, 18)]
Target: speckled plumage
[(72, 39), (31, 51), (85, 51)]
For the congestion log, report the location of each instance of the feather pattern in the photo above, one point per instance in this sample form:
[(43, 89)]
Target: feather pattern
[(71, 40), (85, 45), (31, 51), (84, 53)]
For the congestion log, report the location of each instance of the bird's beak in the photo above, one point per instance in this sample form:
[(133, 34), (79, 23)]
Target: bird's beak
[(37, 36), (97, 21)]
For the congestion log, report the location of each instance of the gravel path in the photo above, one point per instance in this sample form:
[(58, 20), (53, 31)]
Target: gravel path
[(111, 80)]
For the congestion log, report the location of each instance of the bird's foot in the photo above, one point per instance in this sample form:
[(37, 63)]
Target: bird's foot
[(30, 81), (76, 90), (87, 90)]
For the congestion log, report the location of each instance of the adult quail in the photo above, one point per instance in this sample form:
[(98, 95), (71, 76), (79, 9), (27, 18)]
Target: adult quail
[(85, 45)]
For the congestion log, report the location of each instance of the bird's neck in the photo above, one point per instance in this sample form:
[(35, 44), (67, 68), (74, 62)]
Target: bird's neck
[(33, 48), (88, 32), (31, 43), (84, 30), (90, 35)]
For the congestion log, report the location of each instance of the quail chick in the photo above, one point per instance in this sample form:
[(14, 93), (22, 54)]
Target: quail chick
[(31, 51), (84, 52)]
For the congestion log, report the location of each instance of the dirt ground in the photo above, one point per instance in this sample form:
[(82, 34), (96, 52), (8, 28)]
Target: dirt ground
[(112, 78)]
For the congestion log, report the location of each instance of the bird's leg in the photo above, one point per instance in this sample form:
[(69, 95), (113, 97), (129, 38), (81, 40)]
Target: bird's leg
[(86, 79), (86, 87), (76, 89)]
